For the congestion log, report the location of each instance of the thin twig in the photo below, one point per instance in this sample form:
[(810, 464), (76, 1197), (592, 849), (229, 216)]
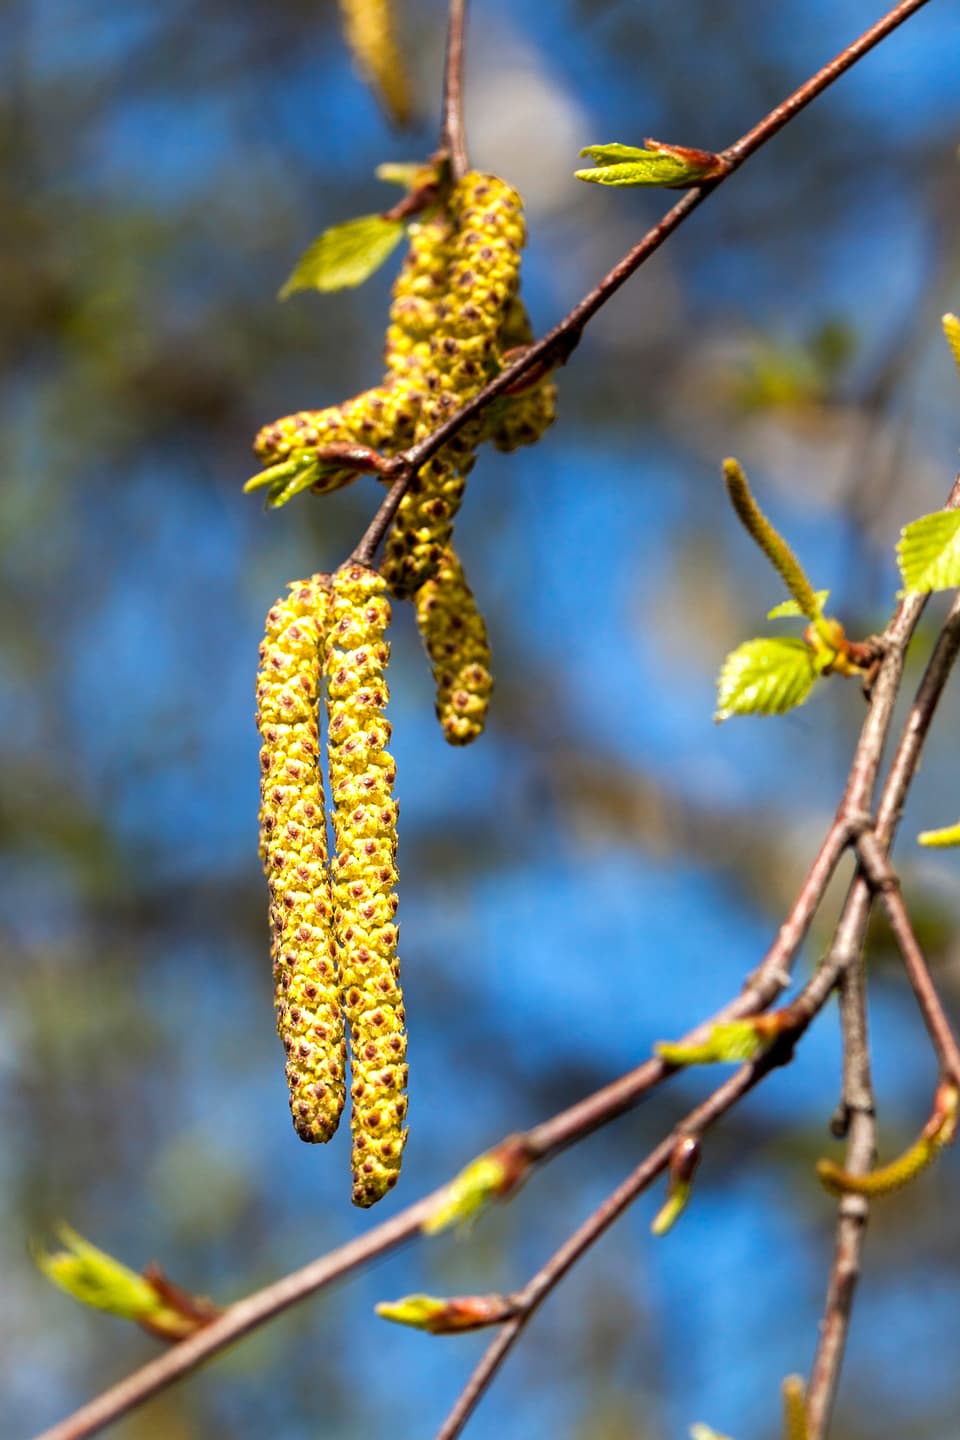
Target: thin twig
[(581, 1119), (452, 135), (886, 883), (556, 346), (773, 973)]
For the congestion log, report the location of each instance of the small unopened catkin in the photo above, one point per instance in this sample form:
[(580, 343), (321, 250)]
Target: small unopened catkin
[(522, 419), (362, 776), (483, 267), (383, 419), (455, 638), (293, 848), (369, 30)]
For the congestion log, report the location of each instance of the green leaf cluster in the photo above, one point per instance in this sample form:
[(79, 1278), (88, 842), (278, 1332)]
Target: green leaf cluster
[(674, 167)]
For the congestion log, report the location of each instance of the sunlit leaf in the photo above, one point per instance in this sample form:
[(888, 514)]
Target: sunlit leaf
[(951, 329), (789, 609), (345, 255), (765, 677), (97, 1279), (929, 553), (733, 1040), (655, 163), (940, 839)]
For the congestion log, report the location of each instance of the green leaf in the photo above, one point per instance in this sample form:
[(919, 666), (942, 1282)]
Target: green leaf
[(674, 166), (765, 677), (732, 1041), (789, 609), (940, 839), (703, 1432), (345, 255), (929, 553), (951, 329), (409, 174), (95, 1278)]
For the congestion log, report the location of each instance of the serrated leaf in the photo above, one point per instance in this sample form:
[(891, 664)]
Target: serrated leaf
[(789, 609), (940, 839), (345, 255), (765, 677), (673, 166), (928, 553)]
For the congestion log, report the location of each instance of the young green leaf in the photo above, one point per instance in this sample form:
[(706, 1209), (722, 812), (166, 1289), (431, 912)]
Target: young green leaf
[(345, 255), (95, 1278), (790, 610), (951, 329), (734, 1040), (929, 553), (673, 166), (765, 677), (408, 174), (940, 839)]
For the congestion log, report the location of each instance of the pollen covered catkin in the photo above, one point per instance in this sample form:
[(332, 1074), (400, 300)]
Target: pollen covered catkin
[(362, 775), (293, 848), (487, 234), (455, 638)]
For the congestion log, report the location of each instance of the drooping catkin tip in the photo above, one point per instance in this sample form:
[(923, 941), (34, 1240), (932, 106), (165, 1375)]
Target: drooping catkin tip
[(293, 847), (362, 773), (951, 329)]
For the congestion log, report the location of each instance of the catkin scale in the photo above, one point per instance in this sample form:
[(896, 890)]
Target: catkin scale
[(362, 775), (293, 850), (483, 265), (455, 638)]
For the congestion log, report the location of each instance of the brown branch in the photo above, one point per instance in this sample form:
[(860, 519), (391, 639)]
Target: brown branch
[(801, 1013), (452, 136), (547, 1139), (886, 883), (556, 346)]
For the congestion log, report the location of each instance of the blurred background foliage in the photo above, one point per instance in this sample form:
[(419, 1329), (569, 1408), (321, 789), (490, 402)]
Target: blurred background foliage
[(606, 865)]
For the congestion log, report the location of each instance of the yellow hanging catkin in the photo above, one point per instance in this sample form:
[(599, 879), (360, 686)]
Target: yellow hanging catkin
[(486, 218), (293, 848), (362, 775), (455, 638)]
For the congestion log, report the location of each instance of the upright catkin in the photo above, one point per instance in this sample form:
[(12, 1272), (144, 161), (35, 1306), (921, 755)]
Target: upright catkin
[(362, 776), (293, 849), (455, 638), (487, 234), (369, 30)]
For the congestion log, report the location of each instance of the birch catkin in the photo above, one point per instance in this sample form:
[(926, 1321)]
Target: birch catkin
[(455, 638), (482, 276), (293, 848), (362, 775)]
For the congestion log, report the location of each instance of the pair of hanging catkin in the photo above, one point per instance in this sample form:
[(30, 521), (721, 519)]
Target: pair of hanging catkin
[(455, 312), (333, 933)]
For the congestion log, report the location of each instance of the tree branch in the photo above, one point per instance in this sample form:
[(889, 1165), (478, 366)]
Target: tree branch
[(556, 346), (452, 136)]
